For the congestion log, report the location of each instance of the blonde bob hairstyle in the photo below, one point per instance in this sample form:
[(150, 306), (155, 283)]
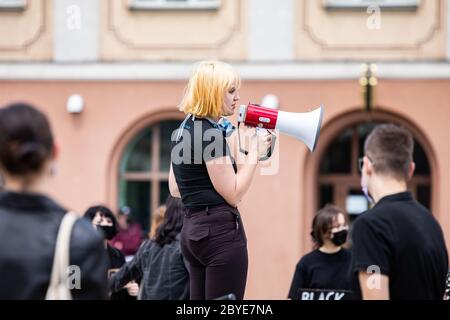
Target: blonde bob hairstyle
[(205, 92)]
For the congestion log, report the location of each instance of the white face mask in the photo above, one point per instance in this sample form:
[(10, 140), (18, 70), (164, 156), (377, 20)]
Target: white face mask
[(365, 190)]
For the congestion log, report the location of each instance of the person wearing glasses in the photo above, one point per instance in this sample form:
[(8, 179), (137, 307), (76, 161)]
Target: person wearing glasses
[(326, 267), (398, 251)]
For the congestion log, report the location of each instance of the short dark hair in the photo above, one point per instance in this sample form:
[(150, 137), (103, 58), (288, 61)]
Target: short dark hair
[(172, 223), (26, 140), (323, 221), (105, 211), (390, 148)]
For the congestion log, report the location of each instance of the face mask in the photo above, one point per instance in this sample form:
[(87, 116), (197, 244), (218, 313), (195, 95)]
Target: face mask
[(108, 231), (339, 238), (365, 190)]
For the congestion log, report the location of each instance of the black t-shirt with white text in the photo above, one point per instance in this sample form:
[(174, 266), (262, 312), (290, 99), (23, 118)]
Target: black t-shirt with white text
[(319, 270), (400, 238)]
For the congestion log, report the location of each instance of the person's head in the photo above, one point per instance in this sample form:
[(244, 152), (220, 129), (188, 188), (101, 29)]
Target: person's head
[(124, 218), (27, 148), (212, 91), (172, 223), (388, 155), (157, 218), (330, 226), (103, 219)]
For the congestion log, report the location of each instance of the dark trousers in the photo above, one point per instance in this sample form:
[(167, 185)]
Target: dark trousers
[(214, 243)]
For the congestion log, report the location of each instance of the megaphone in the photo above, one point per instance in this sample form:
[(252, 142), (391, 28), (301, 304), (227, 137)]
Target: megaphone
[(303, 126)]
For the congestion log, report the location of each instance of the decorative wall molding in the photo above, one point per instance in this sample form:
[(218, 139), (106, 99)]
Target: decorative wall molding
[(115, 30), (434, 28), (36, 36), (248, 71)]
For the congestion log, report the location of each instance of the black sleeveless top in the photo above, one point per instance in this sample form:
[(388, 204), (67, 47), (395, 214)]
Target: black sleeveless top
[(200, 142)]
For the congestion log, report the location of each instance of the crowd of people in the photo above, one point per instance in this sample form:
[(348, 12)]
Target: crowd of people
[(197, 246)]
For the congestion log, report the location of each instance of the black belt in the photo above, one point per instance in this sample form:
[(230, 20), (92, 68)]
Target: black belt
[(190, 211)]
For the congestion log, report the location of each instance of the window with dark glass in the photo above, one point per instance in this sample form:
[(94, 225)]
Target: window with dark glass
[(144, 171)]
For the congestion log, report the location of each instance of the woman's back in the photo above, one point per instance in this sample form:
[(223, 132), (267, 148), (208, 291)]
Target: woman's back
[(29, 225), (165, 274)]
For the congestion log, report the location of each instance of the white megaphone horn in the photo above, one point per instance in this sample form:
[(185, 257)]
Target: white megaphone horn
[(303, 126)]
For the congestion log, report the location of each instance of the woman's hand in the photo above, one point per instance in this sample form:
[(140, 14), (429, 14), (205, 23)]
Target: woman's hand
[(132, 288), (260, 143)]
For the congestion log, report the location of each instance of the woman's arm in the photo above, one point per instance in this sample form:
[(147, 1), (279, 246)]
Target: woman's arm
[(229, 185), (128, 272)]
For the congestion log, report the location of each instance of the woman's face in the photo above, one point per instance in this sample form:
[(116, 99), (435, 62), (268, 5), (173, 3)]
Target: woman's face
[(230, 101), (339, 224), (101, 220)]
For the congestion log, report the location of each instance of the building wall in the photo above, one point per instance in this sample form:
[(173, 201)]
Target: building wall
[(239, 30), (27, 35), (131, 68), (405, 35), (277, 209), (174, 35)]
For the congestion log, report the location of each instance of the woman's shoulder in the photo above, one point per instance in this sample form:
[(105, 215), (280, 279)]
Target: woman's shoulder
[(346, 252), (84, 235), (309, 257), (113, 251)]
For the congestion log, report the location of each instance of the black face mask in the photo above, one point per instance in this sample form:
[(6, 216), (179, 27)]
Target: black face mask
[(339, 238), (108, 231)]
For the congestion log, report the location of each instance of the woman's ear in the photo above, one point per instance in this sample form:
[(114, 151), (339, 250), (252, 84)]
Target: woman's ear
[(412, 168), (55, 155)]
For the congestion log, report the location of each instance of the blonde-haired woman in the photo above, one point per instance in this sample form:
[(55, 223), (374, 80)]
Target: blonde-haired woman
[(205, 175)]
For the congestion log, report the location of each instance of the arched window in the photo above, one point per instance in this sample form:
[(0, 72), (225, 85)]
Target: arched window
[(339, 178), (144, 171)]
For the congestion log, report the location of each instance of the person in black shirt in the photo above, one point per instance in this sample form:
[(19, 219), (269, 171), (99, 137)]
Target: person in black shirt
[(327, 266), (104, 220), (159, 262), (29, 220), (204, 174), (399, 250)]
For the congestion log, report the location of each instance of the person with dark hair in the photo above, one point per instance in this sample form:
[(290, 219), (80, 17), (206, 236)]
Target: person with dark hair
[(159, 262), (129, 236), (104, 220), (399, 250), (30, 221), (327, 266)]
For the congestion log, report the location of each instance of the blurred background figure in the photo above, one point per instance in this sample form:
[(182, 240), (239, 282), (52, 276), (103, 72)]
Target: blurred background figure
[(129, 236), (159, 262), (29, 220), (157, 218), (327, 267), (105, 222)]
